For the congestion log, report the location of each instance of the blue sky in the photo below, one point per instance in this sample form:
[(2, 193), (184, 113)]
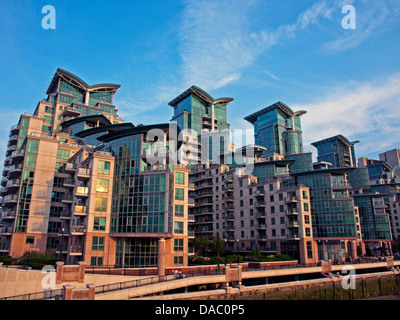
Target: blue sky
[(256, 51)]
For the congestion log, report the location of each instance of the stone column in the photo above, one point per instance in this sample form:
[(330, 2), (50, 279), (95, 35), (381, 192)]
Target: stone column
[(92, 291), (161, 259), (81, 278), (67, 292), (59, 272), (353, 249)]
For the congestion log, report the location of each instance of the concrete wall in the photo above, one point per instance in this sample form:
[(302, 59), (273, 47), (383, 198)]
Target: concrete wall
[(17, 282)]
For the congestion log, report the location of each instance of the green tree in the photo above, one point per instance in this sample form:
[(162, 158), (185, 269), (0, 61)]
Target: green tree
[(217, 245), (198, 244)]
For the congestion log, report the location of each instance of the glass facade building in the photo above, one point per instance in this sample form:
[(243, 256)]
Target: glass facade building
[(336, 150), (278, 129)]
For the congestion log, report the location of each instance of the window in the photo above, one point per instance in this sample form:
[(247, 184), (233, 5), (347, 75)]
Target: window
[(101, 204), (30, 240), (179, 210), (309, 250), (179, 178), (96, 261), (99, 224), (49, 110), (306, 207), (46, 129), (47, 119), (178, 260), (179, 194), (98, 244), (102, 185), (104, 167), (178, 227), (178, 244), (62, 154), (308, 232)]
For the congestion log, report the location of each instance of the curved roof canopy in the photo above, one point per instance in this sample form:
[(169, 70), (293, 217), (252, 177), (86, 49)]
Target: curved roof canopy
[(76, 81), (102, 119), (282, 106), (166, 127), (339, 137), (202, 94), (107, 128)]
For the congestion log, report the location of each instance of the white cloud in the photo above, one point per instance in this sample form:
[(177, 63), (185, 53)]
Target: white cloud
[(360, 111), (372, 17)]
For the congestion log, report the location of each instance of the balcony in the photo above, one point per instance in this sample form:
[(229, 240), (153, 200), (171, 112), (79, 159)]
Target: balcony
[(82, 192), (191, 218), (14, 129), (230, 208), (13, 184), (6, 231), (71, 112), (10, 200), (290, 212), (293, 236), (262, 227), (69, 183), (15, 170), (261, 215), (8, 215), (70, 167), (83, 173), (76, 250), (259, 193), (78, 230), (292, 224), (18, 154), (260, 204), (230, 217), (291, 199), (65, 214), (5, 247), (191, 202), (80, 211), (68, 198)]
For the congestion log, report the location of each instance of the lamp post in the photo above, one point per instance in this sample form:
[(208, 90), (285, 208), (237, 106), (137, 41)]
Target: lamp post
[(62, 241), (238, 249), (225, 251)]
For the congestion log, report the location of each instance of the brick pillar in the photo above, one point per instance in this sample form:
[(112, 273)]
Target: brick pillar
[(59, 272), (81, 271), (67, 292), (92, 291), (353, 249), (161, 259)]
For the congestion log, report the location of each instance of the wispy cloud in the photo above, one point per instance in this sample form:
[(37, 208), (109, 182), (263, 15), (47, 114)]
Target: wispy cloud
[(359, 111), (372, 17)]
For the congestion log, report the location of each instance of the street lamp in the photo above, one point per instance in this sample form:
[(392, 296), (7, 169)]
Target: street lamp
[(238, 249), (225, 251)]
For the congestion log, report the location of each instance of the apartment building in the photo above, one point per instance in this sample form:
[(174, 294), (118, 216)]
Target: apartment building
[(78, 182), (272, 216)]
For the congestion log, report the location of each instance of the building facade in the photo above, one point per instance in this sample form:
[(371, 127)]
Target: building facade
[(78, 183)]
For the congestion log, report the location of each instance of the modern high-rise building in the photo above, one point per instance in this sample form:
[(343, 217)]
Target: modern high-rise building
[(85, 185), (80, 183), (337, 150), (278, 129), (393, 158), (204, 125)]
